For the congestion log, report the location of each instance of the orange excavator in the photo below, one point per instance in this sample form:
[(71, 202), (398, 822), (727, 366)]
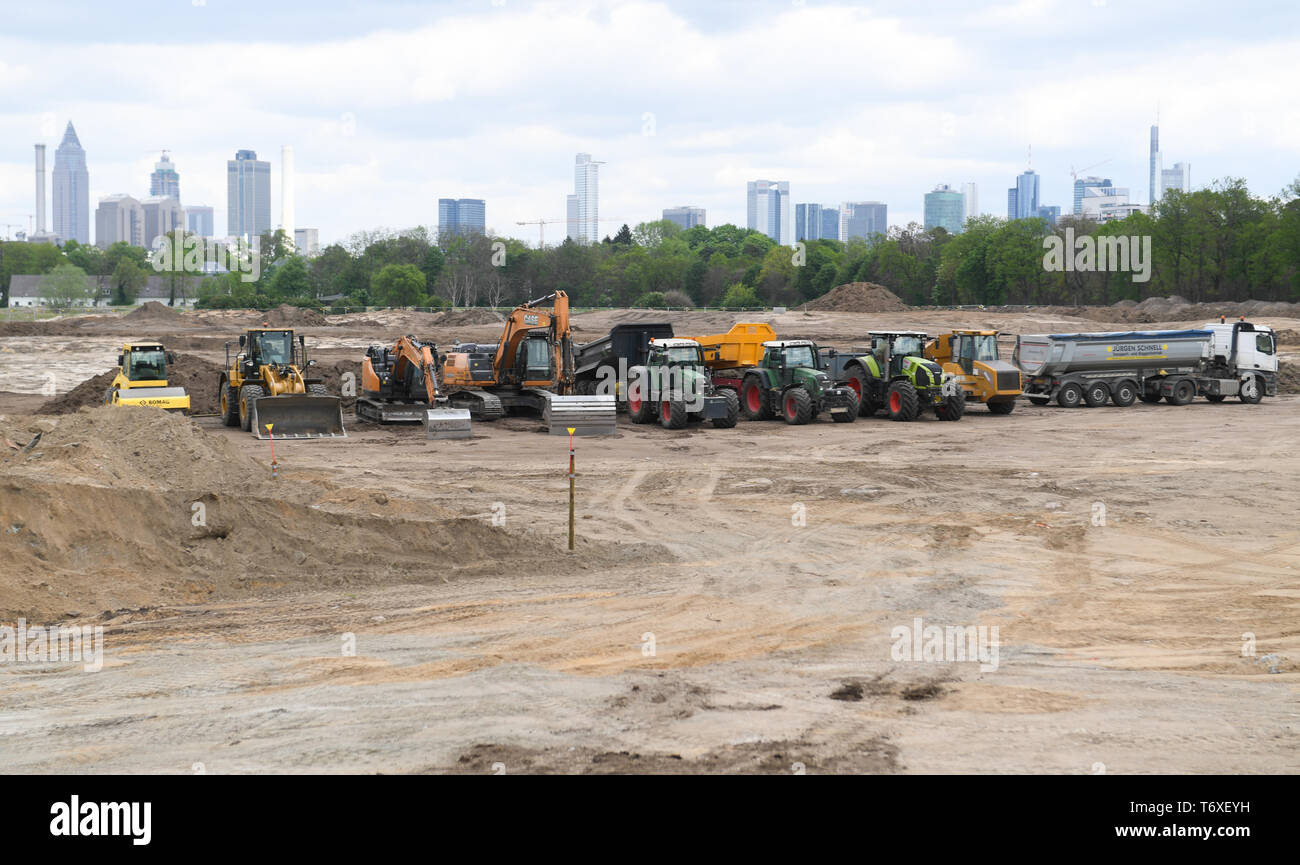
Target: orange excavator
[(530, 369), (399, 384)]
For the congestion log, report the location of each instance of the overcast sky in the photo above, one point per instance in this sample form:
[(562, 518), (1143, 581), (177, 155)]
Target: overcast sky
[(391, 105)]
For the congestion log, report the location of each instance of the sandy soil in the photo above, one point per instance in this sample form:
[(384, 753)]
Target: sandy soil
[(696, 628)]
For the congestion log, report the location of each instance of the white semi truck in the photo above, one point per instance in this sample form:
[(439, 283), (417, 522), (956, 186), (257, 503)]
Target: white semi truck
[(1217, 361)]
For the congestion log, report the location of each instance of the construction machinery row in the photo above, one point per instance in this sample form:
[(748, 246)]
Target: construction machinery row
[(267, 387)]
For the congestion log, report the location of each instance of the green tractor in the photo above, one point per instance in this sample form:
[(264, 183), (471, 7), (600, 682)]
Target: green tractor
[(675, 386), (790, 382), (895, 376)]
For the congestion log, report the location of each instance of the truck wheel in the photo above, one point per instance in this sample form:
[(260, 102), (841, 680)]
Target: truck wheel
[(1250, 391), (1215, 397), (672, 414), (1124, 394), (733, 410), (860, 384), (1151, 392), (247, 394), (847, 416), (1096, 393), (953, 406), (1040, 400), (1069, 396), (229, 405), (1007, 406), (753, 399), (1183, 393), (797, 406), (903, 404), (637, 407)]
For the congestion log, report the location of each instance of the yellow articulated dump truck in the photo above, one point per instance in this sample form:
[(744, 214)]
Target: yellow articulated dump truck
[(142, 379), (972, 356)]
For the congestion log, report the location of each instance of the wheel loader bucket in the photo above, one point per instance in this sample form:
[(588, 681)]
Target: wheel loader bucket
[(298, 417)]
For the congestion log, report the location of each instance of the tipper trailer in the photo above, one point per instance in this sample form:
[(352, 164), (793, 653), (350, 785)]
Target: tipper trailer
[(1217, 360)]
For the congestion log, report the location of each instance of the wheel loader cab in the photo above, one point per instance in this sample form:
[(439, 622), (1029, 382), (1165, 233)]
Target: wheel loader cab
[(975, 347), (272, 347)]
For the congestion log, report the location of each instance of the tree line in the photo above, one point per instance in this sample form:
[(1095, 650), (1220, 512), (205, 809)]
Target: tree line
[(1214, 244)]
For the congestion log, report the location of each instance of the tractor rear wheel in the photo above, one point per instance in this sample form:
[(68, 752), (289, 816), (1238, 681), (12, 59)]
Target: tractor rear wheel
[(229, 405), (638, 407), (1003, 406), (733, 410), (248, 394), (672, 414), (952, 407), (903, 403), (796, 406), (753, 399)]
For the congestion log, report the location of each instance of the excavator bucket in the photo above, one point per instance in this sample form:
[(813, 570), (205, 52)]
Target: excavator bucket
[(298, 416), (587, 415), (447, 423)]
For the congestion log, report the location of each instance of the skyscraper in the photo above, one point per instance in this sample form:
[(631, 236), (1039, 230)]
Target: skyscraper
[(162, 215), (119, 218), (248, 195), (970, 193), (863, 219), (586, 191), (1027, 195), (808, 222), (1082, 184), (768, 208), (1050, 212), (307, 241), (71, 189), (198, 220), (830, 223), (165, 180), (1154, 191), (1179, 177), (686, 217), (945, 208), (1012, 204), (571, 217), (460, 216)]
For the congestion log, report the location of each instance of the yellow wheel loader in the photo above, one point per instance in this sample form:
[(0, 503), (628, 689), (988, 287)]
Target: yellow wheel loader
[(264, 384), (972, 356), (142, 379)]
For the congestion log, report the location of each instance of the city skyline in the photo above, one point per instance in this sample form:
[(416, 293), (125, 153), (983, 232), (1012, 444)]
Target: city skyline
[(378, 142)]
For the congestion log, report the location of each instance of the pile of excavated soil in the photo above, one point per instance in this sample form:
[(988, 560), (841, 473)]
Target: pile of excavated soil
[(334, 375), (858, 297), (459, 317), (289, 316), (197, 376), (153, 311), (1288, 377)]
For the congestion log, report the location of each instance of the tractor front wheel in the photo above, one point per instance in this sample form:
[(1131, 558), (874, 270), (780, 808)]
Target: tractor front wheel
[(733, 410), (952, 407), (847, 416), (797, 406), (903, 403), (672, 414)]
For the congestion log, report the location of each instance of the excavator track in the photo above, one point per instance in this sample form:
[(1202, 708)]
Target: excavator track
[(482, 406)]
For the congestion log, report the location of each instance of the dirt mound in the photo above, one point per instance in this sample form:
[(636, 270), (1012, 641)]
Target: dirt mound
[(285, 315), (458, 317), (1288, 377), (152, 310), (197, 376), (336, 379), (858, 297)]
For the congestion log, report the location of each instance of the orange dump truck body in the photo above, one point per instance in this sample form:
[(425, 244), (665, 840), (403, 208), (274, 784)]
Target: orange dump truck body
[(742, 346)]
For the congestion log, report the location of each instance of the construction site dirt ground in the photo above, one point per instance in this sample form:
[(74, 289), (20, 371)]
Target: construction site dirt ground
[(734, 602)]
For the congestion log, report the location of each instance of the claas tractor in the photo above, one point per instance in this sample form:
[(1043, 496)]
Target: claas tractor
[(789, 382), (972, 356), (676, 387), (142, 379), (895, 377), (264, 386)]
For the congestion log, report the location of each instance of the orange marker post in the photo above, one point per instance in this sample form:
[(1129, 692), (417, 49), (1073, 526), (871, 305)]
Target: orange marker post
[(571, 477), (275, 469)]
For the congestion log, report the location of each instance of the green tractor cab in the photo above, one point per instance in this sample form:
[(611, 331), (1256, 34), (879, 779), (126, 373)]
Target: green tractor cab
[(790, 382), (675, 386), (895, 376)]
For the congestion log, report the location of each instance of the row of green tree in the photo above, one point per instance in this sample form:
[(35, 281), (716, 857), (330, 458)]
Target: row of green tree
[(1219, 243)]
